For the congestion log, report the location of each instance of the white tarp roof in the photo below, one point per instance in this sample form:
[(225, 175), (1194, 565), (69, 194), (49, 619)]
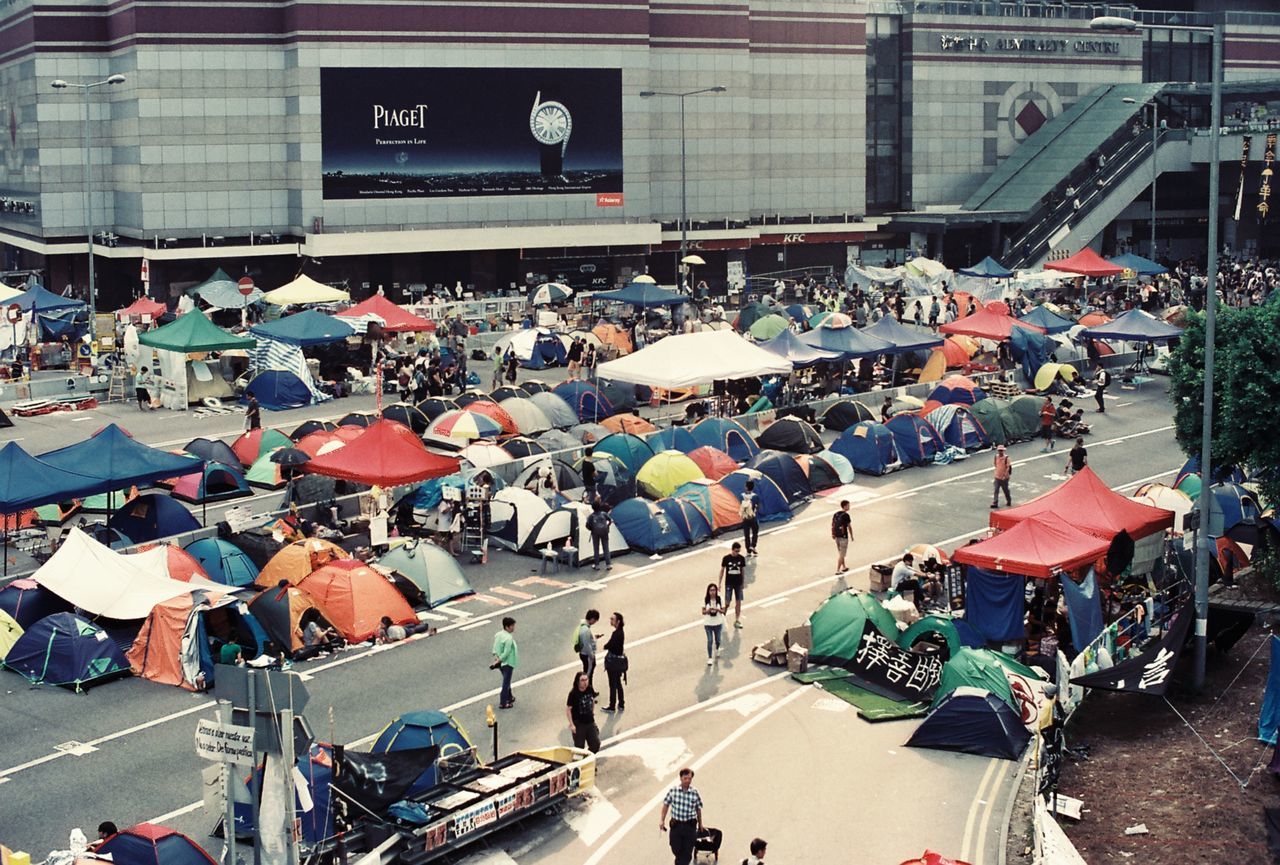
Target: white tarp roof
[(103, 582), (689, 359), (304, 289)]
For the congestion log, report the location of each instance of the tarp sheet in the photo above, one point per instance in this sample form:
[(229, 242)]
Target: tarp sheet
[(690, 359), (871, 706), (1084, 608), (995, 604), (1147, 672), (103, 582)]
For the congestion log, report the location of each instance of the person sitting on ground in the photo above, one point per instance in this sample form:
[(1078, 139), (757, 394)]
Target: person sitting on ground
[(105, 830), (389, 632), (316, 638), (904, 576)]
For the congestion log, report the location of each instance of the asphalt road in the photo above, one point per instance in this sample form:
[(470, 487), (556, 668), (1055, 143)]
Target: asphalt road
[(775, 759)]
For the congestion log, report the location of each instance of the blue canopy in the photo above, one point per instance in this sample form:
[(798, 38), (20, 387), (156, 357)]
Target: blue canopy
[(988, 268), (643, 294), (39, 299), (788, 345), (901, 337), (1042, 316), (1138, 264), (849, 341), (26, 481), (1134, 326), (117, 460), (310, 327)]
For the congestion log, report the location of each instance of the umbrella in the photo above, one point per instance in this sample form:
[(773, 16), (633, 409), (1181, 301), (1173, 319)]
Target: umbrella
[(831, 320), (768, 327), (550, 292), (290, 457), (923, 552), (464, 425), (645, 278)]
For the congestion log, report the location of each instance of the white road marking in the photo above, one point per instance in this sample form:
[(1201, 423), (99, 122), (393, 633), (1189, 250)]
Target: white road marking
[(774, 601), (744, 705), (491, 857), (185, 809), (592, 816), (478, 624), (456, 612), (966, 844), (661, 756), (831, 704)]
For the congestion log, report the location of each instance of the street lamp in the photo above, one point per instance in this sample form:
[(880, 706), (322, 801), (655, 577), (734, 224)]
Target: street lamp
[(84, 88), (1210, 324), (1155, 168), (684, 182)]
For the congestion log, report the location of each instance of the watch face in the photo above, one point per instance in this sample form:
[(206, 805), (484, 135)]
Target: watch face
[(550, 123)]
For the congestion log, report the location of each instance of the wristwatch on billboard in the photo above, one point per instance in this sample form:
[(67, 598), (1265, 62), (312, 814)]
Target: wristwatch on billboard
[(550, 124)]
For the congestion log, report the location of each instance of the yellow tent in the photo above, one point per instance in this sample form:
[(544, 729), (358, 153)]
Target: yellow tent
[(936, 367), (304, 289), (10, 631), (1050, 371)]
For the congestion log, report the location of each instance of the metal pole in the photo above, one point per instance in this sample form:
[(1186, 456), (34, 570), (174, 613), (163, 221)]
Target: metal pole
[(88, 216), (289, 760), (228, 788), (684, 202), (1155, 169), (1210, 321)]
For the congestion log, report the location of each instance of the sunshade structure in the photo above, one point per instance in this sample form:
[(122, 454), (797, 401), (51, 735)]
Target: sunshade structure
[(223, 561), (37, 299), (103, 582), (642, 295), (143, 306), (461, 426), (788, 345), (790, 434), (64, 649), (395, 319), (430, 569), (1036, 547), (902, 337), (666, 472), (1087, 503), (1086, 262), (149, 844), (1139, 265), (988, 268), (117, 460), (212, 450), (193, 333), (849, 341), (354, 598), (386, 454), (1047, 320), (1134, 326), (986, 324), (690, 359), (224, 292), (26, 481), (309, 327), (304, 289), (844, 413), (550, 292)]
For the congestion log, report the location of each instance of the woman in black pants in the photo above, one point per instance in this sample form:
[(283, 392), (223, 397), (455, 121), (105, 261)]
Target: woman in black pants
[(615, 664)]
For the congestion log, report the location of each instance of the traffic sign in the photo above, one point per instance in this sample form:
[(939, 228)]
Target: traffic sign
[(245, 285), (146, 270), (266, 693), (13, 313)]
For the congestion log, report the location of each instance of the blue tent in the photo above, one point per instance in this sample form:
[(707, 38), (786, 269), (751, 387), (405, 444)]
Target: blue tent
[(958, 427), (215, 482), (1134, 326), (278, 389), (1239, 505), (783, 470), (223, 561), (26, 481), (787, 344), (64, 649), (973, 721), (646, 526), (151, 517), (901, 337), (1029, 348), (952, 391), (310, 327), (1042, 316), (690, 519), (1138, 264), (917, 441), (316, 766), (673, 438), (631, 451), (839, 464), (772, 501), (423, 729), (548, 350), (585, 399), (869, 447), (115, 458), (643, 294), (988, 268), (27, 602), (727, 435), (849, 341)]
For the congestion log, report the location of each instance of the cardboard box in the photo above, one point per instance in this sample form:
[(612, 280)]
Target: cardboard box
[(800, 636), (797, 659), (773, 653), (880, 576)]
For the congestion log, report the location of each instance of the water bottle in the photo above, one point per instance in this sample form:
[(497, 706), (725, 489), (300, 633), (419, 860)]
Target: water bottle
[(78, 843)]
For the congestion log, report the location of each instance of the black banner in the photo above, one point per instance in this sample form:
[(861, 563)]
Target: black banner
[(1244, 166), (438, 132), (377, 781), (881, 666), (1264, 192), (1147, 672)]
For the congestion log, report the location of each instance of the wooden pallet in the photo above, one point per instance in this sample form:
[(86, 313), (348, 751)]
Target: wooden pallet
[(1002, 389)]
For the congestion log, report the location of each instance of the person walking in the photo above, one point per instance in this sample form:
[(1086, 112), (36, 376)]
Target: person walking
[(615, 663), (748, 510), (1047, 416), (841, 530), (713, 621), (684, 804), (1101, 379), (1003, 470), (513, 364), (580, 709), (253, 414), (934, 311), (733, 571), (585, 644), (142, 389), (574, 358), (599, 523), (506, 657), (497, 370), (1078, 456)]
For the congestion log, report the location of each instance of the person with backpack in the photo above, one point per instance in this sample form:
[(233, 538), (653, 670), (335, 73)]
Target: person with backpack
[(615, 663), (1100, 382), (584, 643), (841, 525), (1047, 416), (748, 510), (758, 846), (733, 570), (599, 523)]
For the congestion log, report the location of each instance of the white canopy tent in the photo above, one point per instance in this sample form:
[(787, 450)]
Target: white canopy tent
[(304, 289), (690, 359)]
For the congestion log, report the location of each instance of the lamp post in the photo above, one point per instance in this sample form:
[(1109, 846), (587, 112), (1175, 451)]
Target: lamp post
[(84, 89), (1155, 168), (684, 179), (1210, 324)]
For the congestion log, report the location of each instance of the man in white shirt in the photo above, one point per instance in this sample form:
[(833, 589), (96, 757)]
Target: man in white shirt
[(904, 574)]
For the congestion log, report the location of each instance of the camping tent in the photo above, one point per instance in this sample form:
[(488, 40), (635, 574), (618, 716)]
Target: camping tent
[(672, 438), (788, 345), (719, 505), (690, 359), (212, 450), (27, 602), (255, 443), (149, 844), (714, 462), (837, 626), (557, 411), (432, 571), (152, 516), (280, 610), (355, 597), (535, 348), (309, 327), (783, 470), (386, 454), (727, 435), (828, 463), (214, 482), (957, 389), (294, 561), (973, 721), (223, 561), (174, 646), (958, 427), (772, 503), (842, 414), (415, 730), (628, 423), (528, 417), (986, 324), (567, 524), (10, 631), (279, 389), (304, 289), (1134, 326), (790, 434), (955, 634), (632, 451), (1023, 420), (917, 441), (991, 414), (395, 319), (514, 512), (173, 562), (901, 337), (1087, 503), (869, 447), (64, 649), (646, 527), (664, 473), (584, 399), (988, 268), (1035, 547), (1086, 262), (688, 518)]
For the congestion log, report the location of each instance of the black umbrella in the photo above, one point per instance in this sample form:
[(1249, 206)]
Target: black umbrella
[(409, 415), (310, 426), (435, 406), (290, 457)]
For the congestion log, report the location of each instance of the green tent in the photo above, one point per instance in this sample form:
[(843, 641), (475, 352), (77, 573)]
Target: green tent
[(991, 413), (264, 473), (1023, 422), (1190, 484), (945, 628), (430, 568), (1013, 666), (193, 333), (837, 626), (750, 314), (974, 668)]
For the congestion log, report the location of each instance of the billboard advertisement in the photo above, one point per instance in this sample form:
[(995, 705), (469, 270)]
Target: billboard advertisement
[(444, 132)]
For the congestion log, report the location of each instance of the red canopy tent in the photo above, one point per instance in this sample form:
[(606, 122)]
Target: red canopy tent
[(1087, 263), (387, 454), (397, 320), (1038, 546), (1088, 504), (986, 324), (143, 306)]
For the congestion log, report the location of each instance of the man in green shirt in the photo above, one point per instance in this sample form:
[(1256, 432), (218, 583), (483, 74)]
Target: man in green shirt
[(506, 655)]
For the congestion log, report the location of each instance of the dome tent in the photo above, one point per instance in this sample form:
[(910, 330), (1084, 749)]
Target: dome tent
[(958, 427), (432, 571), (646, 527), (152, 516), (415, 730), (869, 447), (672, 438), (64, 649), (223, 561), (973, 721), (514, 512), (916, 440), (719, 505), (280, 611), (354, 598), (790, 434), (689, 519), (630, 450), (773, 503), (783, 470), (664, 473), (714, 462), (279, 389), (726, 435), (567, 524), (214, 483), (843, 414)]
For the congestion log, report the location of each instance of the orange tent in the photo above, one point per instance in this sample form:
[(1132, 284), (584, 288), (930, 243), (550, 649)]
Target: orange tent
[(714, 462), (354, 598), (158, 653), (628, 423), (725, 509), (1240, 556), (613, 336), (1093, 319), (300, 558), (955, 352), (179, 564)]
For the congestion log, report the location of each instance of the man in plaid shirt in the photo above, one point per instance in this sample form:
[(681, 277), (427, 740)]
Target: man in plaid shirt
[(685, 806)]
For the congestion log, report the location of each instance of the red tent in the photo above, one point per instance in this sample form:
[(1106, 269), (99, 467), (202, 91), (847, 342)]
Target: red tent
[(1036, 547), (1088, 504), (387, 454), (398, 320), (1086, 262), (143, 306), (986, 324)]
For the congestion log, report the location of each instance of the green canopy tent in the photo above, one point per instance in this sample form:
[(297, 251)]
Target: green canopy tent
[(183, 381), (837, 626), (194, 333)]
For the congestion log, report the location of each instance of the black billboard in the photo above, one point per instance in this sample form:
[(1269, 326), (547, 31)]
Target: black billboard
[(425, 133)]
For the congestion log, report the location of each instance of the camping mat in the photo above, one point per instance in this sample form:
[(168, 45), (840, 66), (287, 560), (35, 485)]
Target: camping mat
[(819, 674), (872, 707)]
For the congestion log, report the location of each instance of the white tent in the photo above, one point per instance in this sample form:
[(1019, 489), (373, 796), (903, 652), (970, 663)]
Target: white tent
[(690, 359), (529, 419), (103, 582), (522, 342), (569, 523), (304, 289), (514, 513)]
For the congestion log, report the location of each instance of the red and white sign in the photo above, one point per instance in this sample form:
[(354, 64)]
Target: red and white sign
[(608, 199), (13, 313), (245, 285), (146, 270)]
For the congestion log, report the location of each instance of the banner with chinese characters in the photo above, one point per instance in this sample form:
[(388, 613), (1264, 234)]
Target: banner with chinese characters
[(884, 668), (1244, 166), (1264, 192), (1147, 672)]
